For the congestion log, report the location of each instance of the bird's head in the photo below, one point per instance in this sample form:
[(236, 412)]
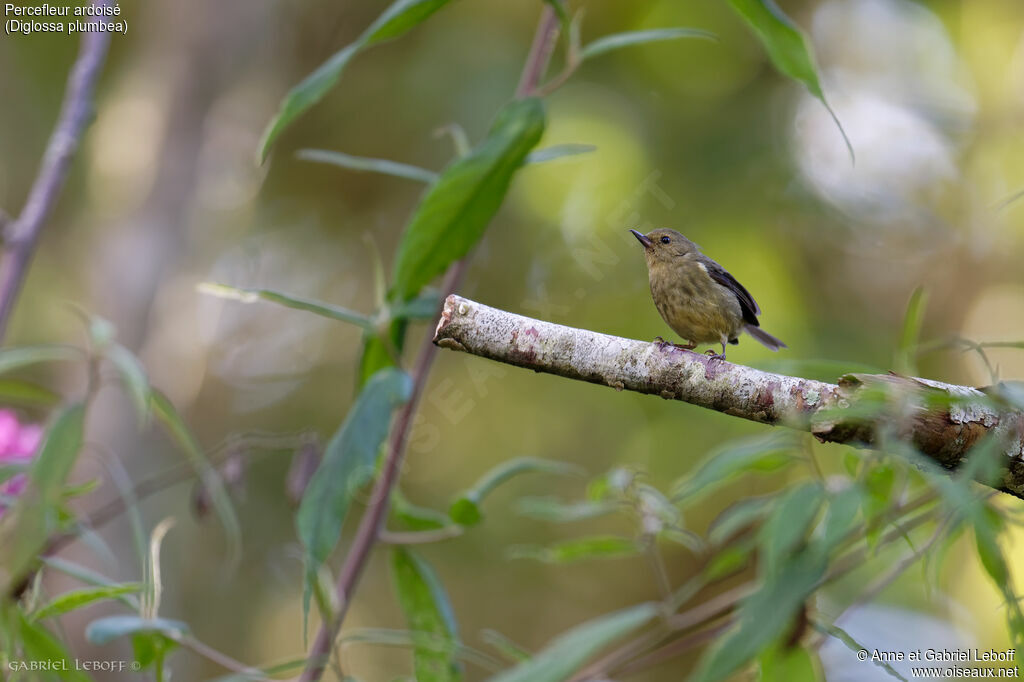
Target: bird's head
[(664, 245)]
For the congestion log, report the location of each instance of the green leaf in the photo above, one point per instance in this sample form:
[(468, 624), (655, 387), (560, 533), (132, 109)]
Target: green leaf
[(87, 576), (396, 20), (347, 465), (429, 615), (558, 151), (557, 511), (151, 648), (620, 40), (986, 537), (105, 630), (569, 651), (878, 482), (9, 471), (375, 355), (367, 164), (786, 528), (16, 358), (842, 516), (406, 639), (57, 456), (789, 664), (38, 513), (738, 516), (455, 211), (465, 510), (426, 306), (752, 455), (39, 645), (906, 352), (168, 415), (416, 517), (505, 646), (316, 307), (133, 376), (855, 646), (763, 618), (580, 549), (787, 46), (26, 393), (75, 599)]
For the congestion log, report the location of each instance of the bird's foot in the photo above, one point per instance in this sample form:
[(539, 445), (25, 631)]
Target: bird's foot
[(713, 355), (662, 344)]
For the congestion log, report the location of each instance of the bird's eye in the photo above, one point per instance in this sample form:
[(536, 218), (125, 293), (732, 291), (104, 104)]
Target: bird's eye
[(665, 240)]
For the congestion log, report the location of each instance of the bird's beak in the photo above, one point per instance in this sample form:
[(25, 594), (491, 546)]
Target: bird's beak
[(642, 238)]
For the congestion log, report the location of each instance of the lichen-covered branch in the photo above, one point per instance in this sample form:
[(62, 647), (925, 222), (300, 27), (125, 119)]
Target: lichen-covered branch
[(943, 429)]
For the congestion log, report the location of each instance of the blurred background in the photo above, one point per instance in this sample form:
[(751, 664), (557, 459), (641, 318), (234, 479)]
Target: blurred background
[(703, 137)]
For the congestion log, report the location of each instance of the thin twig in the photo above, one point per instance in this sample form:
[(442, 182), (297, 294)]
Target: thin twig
[(23, 234), (540, 52), (673, 649), (223, 660), (372, 523)]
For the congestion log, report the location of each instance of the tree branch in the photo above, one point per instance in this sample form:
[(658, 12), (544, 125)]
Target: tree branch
[(22, 235), (943, 429)]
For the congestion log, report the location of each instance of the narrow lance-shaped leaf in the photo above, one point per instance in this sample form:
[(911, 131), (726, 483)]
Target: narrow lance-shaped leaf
[(396, 20), (787, 47), (617, 41), (405, 639), (763, 618), (76, 599), (751, 455), (558, 151), (16, 358), (26, 393), (906, 362), (328, 310), (367, 164), (26, 527), (38, 644), (465, 510), (133, 376), (105, 630), (855, 646), (347, 465), (165, 411), (453, 214), (786, 528), (569, 651), (581, 549), (430, 617)]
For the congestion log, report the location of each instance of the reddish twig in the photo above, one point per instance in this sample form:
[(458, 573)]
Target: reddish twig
[(372, 523), (21, 238), (540, 53)]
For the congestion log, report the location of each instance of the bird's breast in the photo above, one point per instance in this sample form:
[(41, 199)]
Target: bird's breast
[(693, 305)]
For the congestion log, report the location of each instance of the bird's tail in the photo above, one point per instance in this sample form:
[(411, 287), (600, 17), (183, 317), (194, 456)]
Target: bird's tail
[(766, 339)]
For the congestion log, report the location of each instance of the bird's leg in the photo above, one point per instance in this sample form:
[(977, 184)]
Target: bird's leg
[(717, 356)]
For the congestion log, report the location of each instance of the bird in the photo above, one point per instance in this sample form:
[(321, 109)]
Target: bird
[(696, 296)]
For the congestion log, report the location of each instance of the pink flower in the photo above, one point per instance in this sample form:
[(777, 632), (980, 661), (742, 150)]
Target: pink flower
[(18, 444)]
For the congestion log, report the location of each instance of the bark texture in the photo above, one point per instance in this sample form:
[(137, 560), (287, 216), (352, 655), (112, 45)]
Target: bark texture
[(943, 421)]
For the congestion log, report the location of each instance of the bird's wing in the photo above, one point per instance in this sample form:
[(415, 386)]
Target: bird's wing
[(747, 303)]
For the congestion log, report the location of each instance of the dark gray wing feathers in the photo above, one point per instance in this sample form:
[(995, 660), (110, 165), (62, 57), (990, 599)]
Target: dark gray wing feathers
[(747, 303)]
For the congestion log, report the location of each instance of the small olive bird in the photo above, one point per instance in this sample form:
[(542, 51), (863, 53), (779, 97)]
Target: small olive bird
[(696, 296)]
